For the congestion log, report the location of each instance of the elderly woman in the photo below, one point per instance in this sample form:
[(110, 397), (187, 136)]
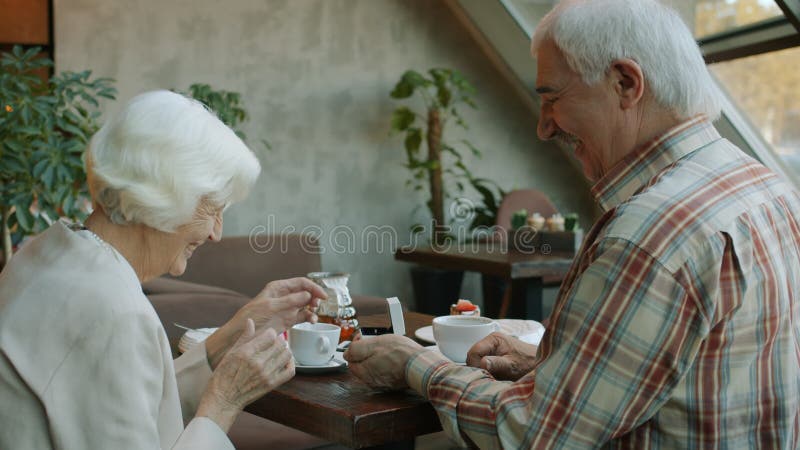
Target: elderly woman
[(84, 360)]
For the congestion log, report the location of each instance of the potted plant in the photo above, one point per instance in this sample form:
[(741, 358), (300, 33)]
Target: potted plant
[(439, 169), (484, 214), (45, 126), (227, 105)]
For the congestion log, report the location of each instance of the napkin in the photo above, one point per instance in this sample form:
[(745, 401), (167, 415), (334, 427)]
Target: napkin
[(194, 337)]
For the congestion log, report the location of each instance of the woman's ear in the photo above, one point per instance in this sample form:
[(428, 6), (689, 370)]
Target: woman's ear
[(628, 81)]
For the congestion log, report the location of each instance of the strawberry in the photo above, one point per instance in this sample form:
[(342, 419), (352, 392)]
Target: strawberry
[(465, 305)]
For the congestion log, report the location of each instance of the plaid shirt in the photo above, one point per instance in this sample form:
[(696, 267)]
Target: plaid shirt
[(677, 326)]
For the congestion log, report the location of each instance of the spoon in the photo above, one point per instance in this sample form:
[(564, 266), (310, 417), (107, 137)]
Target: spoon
[(183, 327)]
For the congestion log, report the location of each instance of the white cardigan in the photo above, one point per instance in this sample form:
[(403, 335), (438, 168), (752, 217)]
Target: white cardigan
[(84, 360)]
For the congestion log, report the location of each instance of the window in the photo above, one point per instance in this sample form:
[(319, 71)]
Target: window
[(766, 88), (717, 16), (753, 49)]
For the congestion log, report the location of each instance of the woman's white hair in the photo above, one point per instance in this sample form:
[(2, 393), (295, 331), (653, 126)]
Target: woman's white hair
[(593, 33), (157, 159)]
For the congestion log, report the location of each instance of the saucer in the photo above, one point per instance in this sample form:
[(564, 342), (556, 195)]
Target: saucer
[(425, 334), (334, 365), (529, 331)]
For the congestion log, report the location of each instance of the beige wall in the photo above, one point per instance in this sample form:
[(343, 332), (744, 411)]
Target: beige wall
[(315, 75)]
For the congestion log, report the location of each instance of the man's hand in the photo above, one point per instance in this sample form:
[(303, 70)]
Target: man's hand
[(380, 361), (281, 304), (504, 356)]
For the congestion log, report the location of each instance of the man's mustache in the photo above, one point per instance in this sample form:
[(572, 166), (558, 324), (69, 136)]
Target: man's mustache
[(567, 140)]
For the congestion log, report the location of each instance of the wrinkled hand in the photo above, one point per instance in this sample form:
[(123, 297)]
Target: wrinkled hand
[(504, 356), (380, 361), (256, 364), (283, 303)]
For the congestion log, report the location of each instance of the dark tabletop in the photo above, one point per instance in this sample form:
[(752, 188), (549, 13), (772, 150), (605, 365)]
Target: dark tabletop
[(340, 408)]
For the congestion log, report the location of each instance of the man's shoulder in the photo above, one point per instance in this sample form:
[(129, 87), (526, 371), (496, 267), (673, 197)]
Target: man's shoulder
[(676, 215)]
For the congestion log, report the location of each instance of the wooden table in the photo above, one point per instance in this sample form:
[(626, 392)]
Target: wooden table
[(525, 272), (340, 408)]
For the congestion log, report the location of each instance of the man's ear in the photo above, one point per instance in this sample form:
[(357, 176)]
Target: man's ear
[(628, 80)]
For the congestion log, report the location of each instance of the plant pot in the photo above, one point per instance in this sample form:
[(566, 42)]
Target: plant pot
[(435, 289), (493, 289)]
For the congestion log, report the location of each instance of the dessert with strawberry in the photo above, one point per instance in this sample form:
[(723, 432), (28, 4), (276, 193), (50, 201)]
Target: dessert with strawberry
[(465, 308)]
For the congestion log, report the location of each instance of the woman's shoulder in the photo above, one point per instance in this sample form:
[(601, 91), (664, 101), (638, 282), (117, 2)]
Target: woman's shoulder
[(60, 298), (63, 284)]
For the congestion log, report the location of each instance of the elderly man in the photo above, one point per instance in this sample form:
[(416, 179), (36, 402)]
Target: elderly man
[(677, 326)]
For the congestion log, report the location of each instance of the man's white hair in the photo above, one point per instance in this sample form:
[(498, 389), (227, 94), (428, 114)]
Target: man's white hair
[(593, 33), (157, 159)]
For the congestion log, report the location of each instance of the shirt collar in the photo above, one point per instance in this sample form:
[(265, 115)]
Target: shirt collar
[(636, 169)]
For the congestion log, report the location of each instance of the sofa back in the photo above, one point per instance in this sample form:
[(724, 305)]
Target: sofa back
[(246, 265)]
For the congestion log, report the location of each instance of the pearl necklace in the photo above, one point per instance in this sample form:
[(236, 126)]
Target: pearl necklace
[(77, 226)]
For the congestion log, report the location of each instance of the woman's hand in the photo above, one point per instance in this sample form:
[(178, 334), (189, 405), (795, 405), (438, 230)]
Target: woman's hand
[(281, 304), (255, 365)]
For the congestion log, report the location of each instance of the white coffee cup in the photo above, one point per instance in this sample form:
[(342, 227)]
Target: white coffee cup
[(313, 344), (455, 335)]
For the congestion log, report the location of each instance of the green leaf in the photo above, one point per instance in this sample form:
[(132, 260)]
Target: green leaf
[(26, 114), (39, 167), (475, 150), (461, 83), (410, 81), (402, 90), (76, 131), (451, 150), (72, 117), (24, 217), (62, 174), (41, 224), (13, 166), (413, 141), (14, 145), (440, 76), (67, 205), (48, 177), (32, 52), (402, 118), (444, 96), (109, 93)]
